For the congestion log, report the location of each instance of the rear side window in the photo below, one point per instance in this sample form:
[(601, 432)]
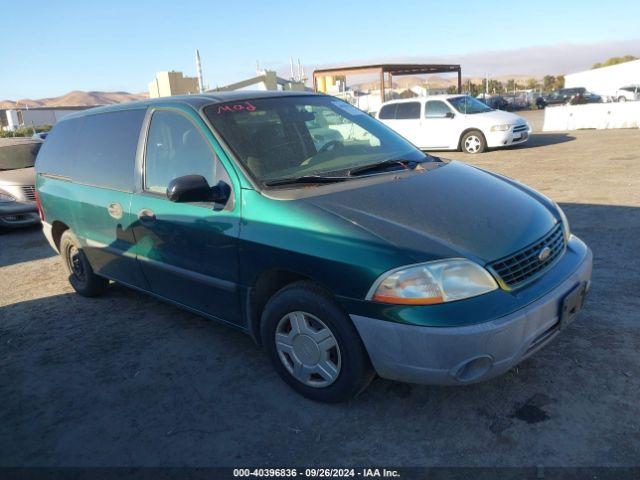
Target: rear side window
[(57, 155), (408, 111), (175, 147), (97, 149), (388, 112), (106, 149)]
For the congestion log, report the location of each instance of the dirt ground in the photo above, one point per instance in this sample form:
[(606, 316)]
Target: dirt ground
[(125, 380)]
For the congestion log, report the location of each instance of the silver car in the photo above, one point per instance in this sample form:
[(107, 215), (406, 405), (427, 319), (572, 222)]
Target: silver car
[(17, 178)]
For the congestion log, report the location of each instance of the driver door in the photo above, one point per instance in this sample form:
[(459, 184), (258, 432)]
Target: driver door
[(187, 251)]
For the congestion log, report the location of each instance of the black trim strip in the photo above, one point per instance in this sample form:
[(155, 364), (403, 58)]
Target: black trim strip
[(191, 275)]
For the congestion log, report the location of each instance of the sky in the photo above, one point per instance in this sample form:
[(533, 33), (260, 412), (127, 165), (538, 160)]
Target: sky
[(58, 46)]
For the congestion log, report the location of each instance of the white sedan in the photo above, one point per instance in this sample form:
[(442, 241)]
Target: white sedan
[(453, 122)]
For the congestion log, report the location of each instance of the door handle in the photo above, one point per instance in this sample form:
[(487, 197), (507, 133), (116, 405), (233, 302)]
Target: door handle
[(146, 216)]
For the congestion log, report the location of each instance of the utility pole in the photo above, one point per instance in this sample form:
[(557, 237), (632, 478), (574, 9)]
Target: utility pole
[(199, 70)]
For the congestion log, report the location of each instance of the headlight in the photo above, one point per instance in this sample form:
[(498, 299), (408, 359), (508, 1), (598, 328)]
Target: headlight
[(500, 128), (5, 197), (432, 282), (565, 224)]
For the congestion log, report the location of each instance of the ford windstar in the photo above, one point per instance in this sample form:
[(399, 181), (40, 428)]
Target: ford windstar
[(342, 249)]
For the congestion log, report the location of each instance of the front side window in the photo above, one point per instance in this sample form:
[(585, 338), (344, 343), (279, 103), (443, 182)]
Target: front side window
[(175, 147), (436, 109), (468, 105), (283, 137)]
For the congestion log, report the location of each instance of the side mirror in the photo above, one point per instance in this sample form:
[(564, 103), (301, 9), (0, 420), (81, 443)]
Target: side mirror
[(449, 115), (220, 193), (195, 188)]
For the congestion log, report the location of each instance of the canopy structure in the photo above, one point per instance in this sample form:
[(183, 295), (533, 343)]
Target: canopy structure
[(391, 69)]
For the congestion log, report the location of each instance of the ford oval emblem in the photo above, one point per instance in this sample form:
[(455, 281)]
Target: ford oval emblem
[(544, 254)]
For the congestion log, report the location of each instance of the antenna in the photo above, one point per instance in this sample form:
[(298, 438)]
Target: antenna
[(199, 70)]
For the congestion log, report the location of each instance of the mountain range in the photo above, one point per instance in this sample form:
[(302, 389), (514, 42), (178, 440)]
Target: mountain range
[(76, 98)]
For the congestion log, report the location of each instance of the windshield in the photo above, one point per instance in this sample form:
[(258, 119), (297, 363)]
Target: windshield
[(467, 104), (16, 154), (284, 137)]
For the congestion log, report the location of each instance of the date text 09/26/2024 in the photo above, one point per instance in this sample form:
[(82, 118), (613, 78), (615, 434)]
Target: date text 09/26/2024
[(316, 473)]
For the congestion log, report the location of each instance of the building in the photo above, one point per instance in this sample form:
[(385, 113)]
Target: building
[(171, 83), (13, 118), (334, 82), (264, 80), (606, 80)]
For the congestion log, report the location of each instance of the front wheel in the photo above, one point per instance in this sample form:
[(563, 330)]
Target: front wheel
[(622, 99), (313, 345), (473, 142), (81, 275)]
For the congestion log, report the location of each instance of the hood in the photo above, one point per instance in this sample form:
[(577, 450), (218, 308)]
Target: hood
[(500, 117), (20, 176), (454, 210)]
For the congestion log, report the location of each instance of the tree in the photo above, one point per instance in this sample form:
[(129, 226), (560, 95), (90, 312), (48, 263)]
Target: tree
[(559, 82), (511, 85), (614, 61), (532, 84), (495, 86), (548, 82)]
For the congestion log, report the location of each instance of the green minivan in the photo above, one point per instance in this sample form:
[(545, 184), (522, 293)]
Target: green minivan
[(342, 249)]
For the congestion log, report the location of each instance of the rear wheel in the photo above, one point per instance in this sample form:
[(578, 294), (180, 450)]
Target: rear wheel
[(622, 99), (313, 345), (473, 142), (81, 275)]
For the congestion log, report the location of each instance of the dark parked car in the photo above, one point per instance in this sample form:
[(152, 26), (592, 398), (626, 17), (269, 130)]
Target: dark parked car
[(17, 179), (571, 96), (344, 258), (496, 102)]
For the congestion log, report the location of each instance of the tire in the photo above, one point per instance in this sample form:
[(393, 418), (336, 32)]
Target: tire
[(622, 99), (81, 275), (473, 142), (316, 340)]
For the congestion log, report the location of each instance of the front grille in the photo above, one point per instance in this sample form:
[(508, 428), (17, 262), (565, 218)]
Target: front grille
[(520, 128), (29, 192), (523, 266)]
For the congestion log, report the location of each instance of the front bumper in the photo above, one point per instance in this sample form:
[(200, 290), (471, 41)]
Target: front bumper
[(18, 214), (468, 354), (504, 139)]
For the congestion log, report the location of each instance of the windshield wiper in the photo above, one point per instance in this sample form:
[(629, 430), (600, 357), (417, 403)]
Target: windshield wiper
[(372, 167), (304, 179)]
